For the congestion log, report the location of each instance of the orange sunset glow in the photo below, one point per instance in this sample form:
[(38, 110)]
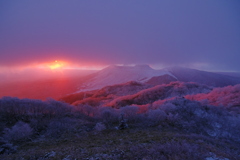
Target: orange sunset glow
[(56, 65), (60, 65)]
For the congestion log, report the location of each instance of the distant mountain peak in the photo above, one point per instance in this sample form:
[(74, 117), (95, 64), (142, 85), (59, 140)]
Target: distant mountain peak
[(114, 74)]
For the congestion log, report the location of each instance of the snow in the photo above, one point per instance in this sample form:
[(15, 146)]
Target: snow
[(113, 75), (121, 74)]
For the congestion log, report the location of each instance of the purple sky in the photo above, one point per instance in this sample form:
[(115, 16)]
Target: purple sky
[(203, 34)]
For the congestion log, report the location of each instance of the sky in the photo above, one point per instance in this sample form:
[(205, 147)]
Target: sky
[(202, 34)]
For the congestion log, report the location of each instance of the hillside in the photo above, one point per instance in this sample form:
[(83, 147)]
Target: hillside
[(203, 77), (177, 129), (155, 117), (120, 74)]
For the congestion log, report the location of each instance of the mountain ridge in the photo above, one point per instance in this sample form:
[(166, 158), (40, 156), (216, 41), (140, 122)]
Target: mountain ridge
[(120, 74), (203, 77), (114, 74)]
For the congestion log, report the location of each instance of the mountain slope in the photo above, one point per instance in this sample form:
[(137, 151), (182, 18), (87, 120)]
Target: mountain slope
[(159, 92), (227, 96), (121, 74), (108, 92), (114, 78), (202, 77), (158, 80)]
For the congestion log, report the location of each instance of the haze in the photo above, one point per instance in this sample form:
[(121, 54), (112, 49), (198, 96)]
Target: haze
[(197, 34)]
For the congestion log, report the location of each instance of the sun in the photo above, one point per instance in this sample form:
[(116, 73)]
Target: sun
[(56, 65)]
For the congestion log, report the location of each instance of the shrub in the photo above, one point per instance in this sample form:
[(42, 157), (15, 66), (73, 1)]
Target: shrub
[(130, 113), (20, 131), (58, 127), (155, 117), (171, 150), (109, 115), (100, 127)]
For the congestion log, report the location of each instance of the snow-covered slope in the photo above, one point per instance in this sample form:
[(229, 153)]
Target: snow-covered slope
[(121, 74), (163, 79), (113, 75)]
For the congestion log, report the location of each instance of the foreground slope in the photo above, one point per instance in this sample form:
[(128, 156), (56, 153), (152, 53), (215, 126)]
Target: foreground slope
[(178, 129)]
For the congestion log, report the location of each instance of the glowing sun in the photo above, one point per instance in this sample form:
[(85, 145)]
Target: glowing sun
[(56, 65)]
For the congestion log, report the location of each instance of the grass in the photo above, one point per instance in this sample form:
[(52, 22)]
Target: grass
[(124, 144)]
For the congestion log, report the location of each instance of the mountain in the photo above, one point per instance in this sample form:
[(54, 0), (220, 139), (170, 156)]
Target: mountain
[(202, 77), (119, 85), (145, 74), (158, 80), (121, 74), (119, 79), (233, 74)]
